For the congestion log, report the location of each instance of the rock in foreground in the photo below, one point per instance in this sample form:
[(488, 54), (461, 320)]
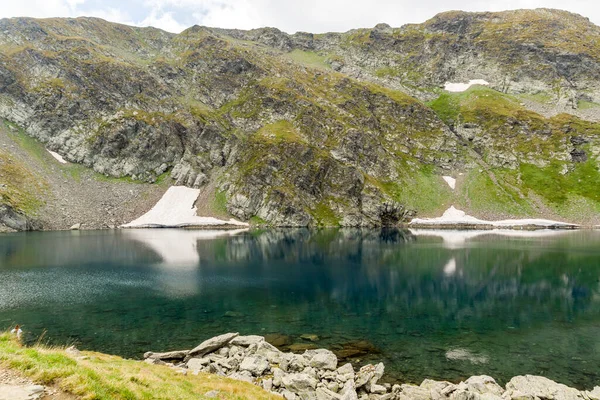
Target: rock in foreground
[(315, 375)]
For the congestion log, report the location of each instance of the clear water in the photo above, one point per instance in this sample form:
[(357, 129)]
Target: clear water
[(435, 307)]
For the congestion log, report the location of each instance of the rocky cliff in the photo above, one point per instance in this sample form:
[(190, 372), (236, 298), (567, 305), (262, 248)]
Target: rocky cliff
[(334, 129)]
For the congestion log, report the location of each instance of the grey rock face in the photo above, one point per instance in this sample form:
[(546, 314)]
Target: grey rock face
[(15, 220)]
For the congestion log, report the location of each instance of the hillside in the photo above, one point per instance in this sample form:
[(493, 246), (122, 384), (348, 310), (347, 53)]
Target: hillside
[(347, 129)]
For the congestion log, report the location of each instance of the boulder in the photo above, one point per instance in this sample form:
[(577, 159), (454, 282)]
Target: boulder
[(543, 388), (483, 384), (256, 365), (196, 364), (378, 389), (593, 394), (171, 355), (242, 376), (277, 377), (321, 359), (268, 351), (246, 340), (377, 374), (411, 392), (212, 344), (299, 382), (369, 375), (287, 395), (267, 384), (326, 394), (345, 373), (348, 392)]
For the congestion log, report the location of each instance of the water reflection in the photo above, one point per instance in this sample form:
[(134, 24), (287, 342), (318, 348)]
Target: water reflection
[(435, 305)]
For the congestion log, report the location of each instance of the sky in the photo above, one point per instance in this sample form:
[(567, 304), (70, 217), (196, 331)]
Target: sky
[(314, 16)]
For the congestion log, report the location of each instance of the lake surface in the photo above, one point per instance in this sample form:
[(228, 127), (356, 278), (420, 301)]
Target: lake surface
[(441, 305)]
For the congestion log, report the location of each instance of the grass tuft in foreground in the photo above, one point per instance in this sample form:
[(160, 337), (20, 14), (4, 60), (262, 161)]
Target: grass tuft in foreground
[(100, 376)]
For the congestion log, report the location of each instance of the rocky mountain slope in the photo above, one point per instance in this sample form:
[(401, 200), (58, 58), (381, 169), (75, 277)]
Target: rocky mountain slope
[(345, 129)]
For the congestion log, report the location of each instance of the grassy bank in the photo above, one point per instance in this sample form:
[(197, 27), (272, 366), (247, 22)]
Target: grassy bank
[(101, 376)]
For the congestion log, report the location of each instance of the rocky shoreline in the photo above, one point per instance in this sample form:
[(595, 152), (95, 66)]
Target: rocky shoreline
[(316, 375)]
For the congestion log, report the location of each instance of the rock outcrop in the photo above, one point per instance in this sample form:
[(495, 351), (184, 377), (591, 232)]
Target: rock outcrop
[(316, 375), (319, 130)]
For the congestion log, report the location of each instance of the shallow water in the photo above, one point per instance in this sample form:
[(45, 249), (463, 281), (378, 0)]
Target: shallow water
[(440, 306)]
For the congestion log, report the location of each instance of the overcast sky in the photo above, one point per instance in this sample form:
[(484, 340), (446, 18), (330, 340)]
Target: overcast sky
[(288, 15)]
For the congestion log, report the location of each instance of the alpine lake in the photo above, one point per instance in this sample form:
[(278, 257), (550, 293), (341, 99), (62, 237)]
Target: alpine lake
[(443, 305)]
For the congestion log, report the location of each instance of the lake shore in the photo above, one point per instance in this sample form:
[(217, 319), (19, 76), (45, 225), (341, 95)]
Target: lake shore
[(234, 366), (317, 374)]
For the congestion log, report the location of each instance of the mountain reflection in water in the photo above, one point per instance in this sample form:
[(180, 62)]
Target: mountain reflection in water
[(435, 304)]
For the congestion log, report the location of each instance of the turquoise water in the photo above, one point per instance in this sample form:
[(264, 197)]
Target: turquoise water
[(441, 307)]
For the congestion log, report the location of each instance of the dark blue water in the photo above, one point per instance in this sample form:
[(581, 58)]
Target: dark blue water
[(427, 306)]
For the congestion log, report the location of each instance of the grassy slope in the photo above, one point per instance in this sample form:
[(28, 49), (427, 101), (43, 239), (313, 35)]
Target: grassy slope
[(100, 376), (23, 190), (529, 189)]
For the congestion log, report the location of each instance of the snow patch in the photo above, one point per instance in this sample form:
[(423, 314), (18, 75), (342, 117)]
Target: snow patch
[(175, 210), (453, 216), (57, 156), (461, 87), (450, 181)]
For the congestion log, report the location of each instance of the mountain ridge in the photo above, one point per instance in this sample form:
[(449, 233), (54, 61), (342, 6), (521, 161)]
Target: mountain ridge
[(347, 129)]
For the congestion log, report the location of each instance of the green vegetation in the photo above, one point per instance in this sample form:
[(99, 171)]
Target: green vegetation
[(277, 132), (540, 97), (484, 195), (103, 377), (418, 189), (20, 189), (258, 221), (586, 105), (308, 58), (324, 215), (219, 204), (551, 184)]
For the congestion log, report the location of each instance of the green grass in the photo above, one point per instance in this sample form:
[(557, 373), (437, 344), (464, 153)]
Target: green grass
[(103, 377), (586, 105), (309, 58), (219, 204), (277, 132), (258, 221), (481, 195), (324, 215), (583, 180), (21, 189), (420, 189), (540, 97)]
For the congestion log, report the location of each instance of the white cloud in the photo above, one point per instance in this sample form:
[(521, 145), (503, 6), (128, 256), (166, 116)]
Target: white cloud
[(162, 20), (290, 16)]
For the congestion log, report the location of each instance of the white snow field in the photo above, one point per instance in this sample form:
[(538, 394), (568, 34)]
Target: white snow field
[(57, 156), (176, 209), (461, 87), (455, 217), (450, 181)]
